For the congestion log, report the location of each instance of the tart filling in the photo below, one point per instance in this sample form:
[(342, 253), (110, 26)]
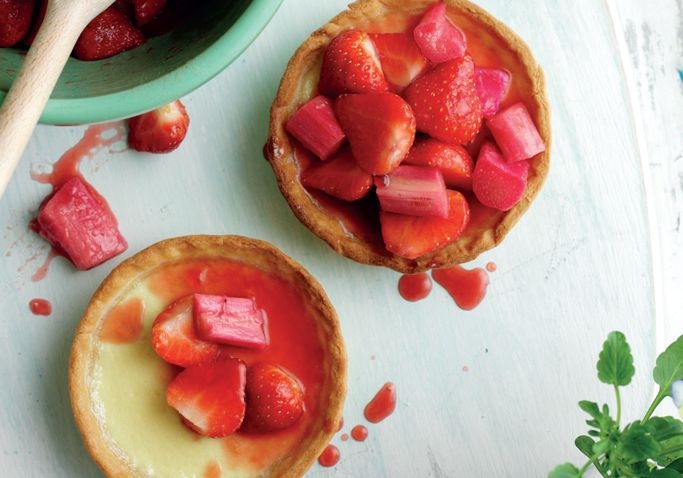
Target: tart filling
[(353, 225), (118, 383)]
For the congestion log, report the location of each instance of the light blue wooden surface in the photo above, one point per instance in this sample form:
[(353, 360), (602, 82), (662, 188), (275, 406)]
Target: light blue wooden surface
[(491, 392)]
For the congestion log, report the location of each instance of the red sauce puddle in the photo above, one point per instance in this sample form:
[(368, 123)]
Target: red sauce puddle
[(466, 287), (359, 433), (382, 404), (414, 287), (329, 456), (40, 306)]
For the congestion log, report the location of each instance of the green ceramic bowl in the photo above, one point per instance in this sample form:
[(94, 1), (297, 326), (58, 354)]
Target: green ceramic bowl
[(162, 70)]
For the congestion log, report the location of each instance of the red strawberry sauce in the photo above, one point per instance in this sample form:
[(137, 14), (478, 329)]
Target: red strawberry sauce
[(40, 306), (294, 340), (414, 287), (382, 404), (466, 287), (359, 432), (123, 324), (330, 456)]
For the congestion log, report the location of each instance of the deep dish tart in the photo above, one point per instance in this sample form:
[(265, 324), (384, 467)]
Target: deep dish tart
[(120, 385), (355, 226)]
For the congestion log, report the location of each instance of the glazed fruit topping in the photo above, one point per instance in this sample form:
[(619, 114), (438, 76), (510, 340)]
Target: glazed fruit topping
[(216, 393), (413, 190), (110, 33), (315, 125), (230, 320), (351, 65), (210, 397), (160, 130), (77, 221), (274, 398), (15, 20), (380, 128), (407, 119)]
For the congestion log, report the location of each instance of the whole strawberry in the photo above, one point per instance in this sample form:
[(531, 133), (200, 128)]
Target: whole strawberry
[(275, 399), (445, 101)]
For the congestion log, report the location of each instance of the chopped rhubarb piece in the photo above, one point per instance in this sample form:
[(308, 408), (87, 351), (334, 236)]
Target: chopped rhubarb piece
[(497, 183), (380, 128), (315, 125), (515, 133), (340, 176), (438, 38), (492, 85), (78, 221), (230, 320), (401, 59), (414, 236), (413, 190), (453, 160)]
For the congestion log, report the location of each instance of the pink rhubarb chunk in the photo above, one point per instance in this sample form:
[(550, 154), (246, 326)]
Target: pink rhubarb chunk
[(315, 125), (515, 133), (497, 183), (413, 191), (437, 37), (230, 320), (78, 222), (492, 85)]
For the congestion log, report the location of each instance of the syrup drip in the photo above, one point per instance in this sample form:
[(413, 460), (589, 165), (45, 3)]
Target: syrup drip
[(491, 267), (345, 437), (382, 404), (329, 456), (212, 470), (359, 433), (123, 324), (41, 273), (40, 306), (466, 287), (414, 287)]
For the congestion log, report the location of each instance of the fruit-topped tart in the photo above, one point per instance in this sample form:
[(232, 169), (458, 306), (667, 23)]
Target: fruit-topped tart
[(208, 356), (411, 134)]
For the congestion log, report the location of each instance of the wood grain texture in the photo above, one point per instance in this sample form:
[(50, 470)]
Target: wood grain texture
[(491, 392)]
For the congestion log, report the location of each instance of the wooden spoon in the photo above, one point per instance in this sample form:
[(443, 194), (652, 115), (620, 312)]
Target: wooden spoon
[(64, 21)]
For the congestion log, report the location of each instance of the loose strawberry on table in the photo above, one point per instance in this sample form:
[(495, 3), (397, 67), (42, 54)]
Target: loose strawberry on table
[(160, 130)]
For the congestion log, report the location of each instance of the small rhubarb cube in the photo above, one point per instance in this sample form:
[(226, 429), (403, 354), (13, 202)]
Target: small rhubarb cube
[(492, 85), (78, 222), (497, 183), (515, 133), (315, 125), (437, 37), (414, 191), (230, 320)]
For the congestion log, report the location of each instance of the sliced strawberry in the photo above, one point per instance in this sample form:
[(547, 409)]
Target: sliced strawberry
[(437, 37), (445, 101), (174, 337), (452, 159), (275, 398), (515, 133), (380, 128), (147, 10), (401, 59), (492, 87), (340, 176), (210, 397), (351, 65), (315, 125), (108, 34), (15, 20), (498, 183), (160, 130), (230, 320), (414, 236), (77, 220), (413, 190)]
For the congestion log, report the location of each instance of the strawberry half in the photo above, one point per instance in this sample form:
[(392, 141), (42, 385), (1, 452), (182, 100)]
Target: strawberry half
[(15, 20), (413, 236), (160, 130), (275, 398), (351, 65), (340, 176), (380, 128), (496, 182), (147, 10), (452, 159), (174, 337), (210, 397), (108, 34), (445, 101), (401, 59)]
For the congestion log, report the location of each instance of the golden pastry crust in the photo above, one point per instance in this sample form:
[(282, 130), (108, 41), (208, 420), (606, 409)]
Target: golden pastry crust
[(299, 83), (252, 252)]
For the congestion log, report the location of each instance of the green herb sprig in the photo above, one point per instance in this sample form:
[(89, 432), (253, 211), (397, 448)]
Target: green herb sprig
[(648, 448)]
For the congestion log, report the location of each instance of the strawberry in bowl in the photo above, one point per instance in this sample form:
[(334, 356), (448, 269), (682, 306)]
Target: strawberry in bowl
[(411, 134)]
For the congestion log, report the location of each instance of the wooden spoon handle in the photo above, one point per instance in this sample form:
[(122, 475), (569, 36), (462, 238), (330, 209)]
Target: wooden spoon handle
[(36, 79)]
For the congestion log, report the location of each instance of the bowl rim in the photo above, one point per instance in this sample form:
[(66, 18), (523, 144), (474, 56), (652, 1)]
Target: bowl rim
[(130, 102)]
